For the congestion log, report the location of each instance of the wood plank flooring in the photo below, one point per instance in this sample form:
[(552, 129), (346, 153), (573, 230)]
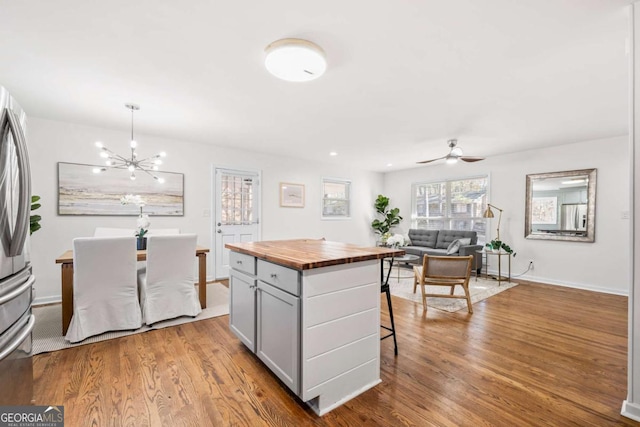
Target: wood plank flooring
[(534, 355)]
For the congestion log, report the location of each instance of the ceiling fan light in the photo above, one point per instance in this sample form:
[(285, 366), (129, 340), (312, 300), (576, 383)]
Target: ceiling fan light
[(457, 151), (452, 160), (295, 60)]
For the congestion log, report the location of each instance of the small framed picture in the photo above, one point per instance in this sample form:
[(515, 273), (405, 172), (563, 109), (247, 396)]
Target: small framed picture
[(291, 195)]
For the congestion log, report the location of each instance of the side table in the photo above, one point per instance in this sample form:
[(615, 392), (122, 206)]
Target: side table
[(485, 263), (399, 260)]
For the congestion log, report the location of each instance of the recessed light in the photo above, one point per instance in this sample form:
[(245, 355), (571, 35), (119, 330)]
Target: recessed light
[(295, 60), (333, 153), (389, 164)]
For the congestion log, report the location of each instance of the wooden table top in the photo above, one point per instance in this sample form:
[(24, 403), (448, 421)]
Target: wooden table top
[(67, 256), (305, 254)]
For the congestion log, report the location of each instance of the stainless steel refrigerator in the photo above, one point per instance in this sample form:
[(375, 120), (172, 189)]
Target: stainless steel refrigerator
[(16, 278)]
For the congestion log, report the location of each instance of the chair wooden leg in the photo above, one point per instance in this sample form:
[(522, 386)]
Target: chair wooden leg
[(453, 288), (415, 281), (424, 298), (468, 294)]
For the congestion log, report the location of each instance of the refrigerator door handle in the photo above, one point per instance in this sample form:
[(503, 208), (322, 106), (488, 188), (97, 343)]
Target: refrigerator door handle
[(5, 178), (20, 232), (18, 291), (20, 338)]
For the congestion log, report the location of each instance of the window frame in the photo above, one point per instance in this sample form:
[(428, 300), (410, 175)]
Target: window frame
[(349, 191), (447, 219)]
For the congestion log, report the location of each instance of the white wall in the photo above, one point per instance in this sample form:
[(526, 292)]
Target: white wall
[(602, 265), (51, 142)]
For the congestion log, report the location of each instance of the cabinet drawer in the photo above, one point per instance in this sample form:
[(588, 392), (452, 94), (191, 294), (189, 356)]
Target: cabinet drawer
[(281, 277), (243, 262)]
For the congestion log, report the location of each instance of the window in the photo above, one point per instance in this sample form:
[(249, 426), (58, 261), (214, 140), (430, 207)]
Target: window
[(451, 205), (236, 199), (336, 198)]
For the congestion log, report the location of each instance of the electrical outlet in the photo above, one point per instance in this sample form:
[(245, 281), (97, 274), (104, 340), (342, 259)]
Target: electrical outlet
[(531, 264)]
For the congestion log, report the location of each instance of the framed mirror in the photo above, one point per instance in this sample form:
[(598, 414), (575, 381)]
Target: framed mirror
[(561, 206)]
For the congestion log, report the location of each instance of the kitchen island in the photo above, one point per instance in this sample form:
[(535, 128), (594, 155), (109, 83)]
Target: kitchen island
[(310, 310)]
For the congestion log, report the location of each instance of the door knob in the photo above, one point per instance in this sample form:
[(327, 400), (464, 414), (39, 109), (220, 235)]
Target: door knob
[(219, 231), (219, 224)]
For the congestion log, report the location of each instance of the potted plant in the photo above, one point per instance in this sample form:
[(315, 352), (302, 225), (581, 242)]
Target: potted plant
[(390, 218), (143, 222), (495, 245), (34, 220)]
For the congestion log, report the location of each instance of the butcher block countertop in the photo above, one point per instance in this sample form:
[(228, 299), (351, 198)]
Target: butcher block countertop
[(305, 254)]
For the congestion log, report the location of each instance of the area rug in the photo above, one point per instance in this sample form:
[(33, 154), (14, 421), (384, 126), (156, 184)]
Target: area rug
[(480, 289), (47, 333)]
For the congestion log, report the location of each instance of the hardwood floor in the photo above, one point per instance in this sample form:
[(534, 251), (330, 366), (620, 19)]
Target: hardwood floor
[(533, 355)]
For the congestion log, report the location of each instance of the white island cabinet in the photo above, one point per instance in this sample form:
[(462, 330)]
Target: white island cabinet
[(310, 310)]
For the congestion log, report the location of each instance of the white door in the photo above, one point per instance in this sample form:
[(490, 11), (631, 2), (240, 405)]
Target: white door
[(237, 205)]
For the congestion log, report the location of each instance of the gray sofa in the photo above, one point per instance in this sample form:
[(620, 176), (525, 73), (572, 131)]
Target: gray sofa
[(436, 242)]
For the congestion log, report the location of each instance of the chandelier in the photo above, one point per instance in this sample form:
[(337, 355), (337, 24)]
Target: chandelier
[(147, 165)]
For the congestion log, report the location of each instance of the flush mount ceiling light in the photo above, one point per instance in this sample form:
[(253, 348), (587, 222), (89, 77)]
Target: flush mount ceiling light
[(295, 60), (147, 165)]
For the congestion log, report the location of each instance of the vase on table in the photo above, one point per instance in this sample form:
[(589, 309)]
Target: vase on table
[(141, 243)]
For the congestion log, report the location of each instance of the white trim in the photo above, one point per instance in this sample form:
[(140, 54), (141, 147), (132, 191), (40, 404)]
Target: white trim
[(547, 281), (630, 406), (630, 410), (54, 299)]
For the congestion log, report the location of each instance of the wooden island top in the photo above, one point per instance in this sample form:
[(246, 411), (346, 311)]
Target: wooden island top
[(305, 254)]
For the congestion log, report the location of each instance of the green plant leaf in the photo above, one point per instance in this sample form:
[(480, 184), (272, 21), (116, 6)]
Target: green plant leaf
[(35, 198)]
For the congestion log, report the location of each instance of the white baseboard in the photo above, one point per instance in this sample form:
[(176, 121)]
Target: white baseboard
[(631, 410), (547, 281), (48, 300)]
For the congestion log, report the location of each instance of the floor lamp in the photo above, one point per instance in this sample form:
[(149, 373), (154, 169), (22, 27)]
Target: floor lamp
[(489, 214)]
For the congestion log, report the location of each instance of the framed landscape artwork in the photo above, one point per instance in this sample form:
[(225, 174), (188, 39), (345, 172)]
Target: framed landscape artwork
[(291, 195), (83, 192)]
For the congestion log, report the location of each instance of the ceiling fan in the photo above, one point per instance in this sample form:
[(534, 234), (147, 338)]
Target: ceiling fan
[(454, 154)]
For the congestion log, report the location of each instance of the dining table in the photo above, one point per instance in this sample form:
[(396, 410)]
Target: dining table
[(66, 265)]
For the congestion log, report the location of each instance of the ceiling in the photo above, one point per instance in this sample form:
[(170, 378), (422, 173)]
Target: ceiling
[(403, 76)]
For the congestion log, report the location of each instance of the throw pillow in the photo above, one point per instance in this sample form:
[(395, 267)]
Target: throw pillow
[(455, 245)]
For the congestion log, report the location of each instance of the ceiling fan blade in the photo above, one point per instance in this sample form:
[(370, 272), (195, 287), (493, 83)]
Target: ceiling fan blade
[(470, 159), (432, 160)]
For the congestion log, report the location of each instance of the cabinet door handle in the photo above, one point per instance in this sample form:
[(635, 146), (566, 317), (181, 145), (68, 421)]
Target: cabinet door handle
[(238, 262), (274, 275)]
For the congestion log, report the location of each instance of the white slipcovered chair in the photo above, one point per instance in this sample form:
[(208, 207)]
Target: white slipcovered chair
[(162, 231), (167, 286), (113, 232), (105, 292)]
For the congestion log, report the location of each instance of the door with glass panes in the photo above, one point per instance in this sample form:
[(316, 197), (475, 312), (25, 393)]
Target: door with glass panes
[(236, 220)]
